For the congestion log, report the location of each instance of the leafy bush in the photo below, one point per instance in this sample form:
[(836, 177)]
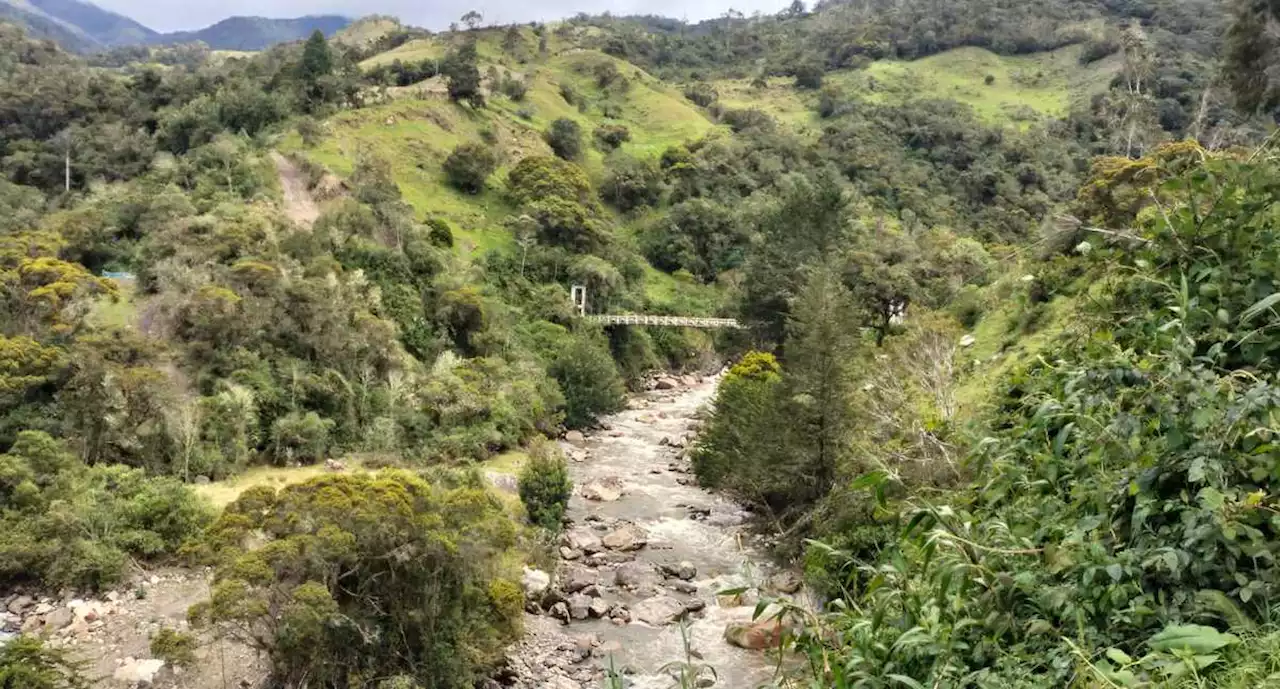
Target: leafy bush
[(513, 88), (469, 165), (611, 136), (27, 662), (589, 379), (702, 94), (565, 138), (372, 575), (440, 232), (631, 183), (741, 120), (72, 525), (299, 437), (809, 76), (545, 487), (173, 647)]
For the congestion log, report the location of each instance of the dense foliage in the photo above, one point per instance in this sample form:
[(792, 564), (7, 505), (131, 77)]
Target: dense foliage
[(545, 487), (367, 577)]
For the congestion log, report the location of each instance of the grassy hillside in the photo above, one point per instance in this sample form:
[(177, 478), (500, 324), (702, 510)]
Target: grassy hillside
[(420, 127), (1022, 87)]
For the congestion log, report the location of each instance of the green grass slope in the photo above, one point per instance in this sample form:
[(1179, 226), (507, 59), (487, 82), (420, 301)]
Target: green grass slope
[(1023, 87), (419, 128)]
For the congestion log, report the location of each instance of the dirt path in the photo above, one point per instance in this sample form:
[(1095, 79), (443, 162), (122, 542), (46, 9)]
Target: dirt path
[(647, 548), (299, 205)]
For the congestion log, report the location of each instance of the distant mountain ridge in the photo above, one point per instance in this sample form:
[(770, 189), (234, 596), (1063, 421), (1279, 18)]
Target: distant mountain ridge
[(256, 33), (83, 27)]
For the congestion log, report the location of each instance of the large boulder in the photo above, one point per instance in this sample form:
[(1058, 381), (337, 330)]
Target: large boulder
[(603, 490), (755, 636), (579, 606), (636, 575), (535, 583), (684, 571), (19, 604), (575, 438), (138, 673), (658, 610), (626, 538), (582, 539), (577, 578)]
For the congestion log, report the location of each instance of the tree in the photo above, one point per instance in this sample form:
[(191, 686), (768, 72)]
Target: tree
[(472, 19), (27, 662), (469, 165), (372, 575), (462, 74), (809, 76), (589, 379), (565, 138), (314, 69), (545, 487), (1252, 54)]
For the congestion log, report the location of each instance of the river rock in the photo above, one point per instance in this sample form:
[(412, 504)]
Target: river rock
[(634, 575), (666, 384), (620, 613), (584, 540), (58, 619), (626, 538), (535, 583), (575, 438), (577, 578), (787, 582), (567, 553), (685, 587), (139, 673), (658, 610), (756, 636), (19, 604), (684, 571), (560, 611), (579, 606), (603, 490), (598, 608)]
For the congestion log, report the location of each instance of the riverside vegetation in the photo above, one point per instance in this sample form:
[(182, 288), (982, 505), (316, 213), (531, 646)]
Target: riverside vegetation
[(1007, 385)]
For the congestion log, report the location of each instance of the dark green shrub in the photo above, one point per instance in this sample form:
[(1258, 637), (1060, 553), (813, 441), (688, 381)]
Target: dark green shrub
[(300, 437), (588, 378), (809, 76), (368, 575), (701, 94), (631, 183), (611, 136), (469, 165), (513, 88), (545, 487), (174, 647), (565, 138), (439, 232), (748, 118), (28, 663)]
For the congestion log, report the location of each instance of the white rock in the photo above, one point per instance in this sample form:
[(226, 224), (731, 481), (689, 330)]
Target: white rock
[(968, 341), (535, 582), (138, 672), (658, 611)]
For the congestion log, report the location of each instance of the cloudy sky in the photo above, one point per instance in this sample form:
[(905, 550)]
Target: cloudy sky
[(168, 15)]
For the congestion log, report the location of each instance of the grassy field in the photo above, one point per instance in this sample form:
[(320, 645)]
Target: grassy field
[(416, 134), (1022, 87)]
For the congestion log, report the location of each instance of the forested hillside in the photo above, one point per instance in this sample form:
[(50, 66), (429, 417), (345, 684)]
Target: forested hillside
[(1005, 385)]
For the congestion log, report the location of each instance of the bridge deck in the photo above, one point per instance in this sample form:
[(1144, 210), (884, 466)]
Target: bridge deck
[(674, 321)]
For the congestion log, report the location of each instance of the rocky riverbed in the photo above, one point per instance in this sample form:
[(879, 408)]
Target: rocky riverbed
[(646, 553)]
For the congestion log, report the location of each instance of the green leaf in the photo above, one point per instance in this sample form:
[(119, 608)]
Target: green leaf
[(1195, 638), (1116, 572), (1119, 657), (874, 478), (907, 681), (1263, 304)]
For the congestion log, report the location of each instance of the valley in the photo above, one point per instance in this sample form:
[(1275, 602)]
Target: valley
[(321, 362)]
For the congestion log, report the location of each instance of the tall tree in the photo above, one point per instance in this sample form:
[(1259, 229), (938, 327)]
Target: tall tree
[(463, 75), (1251, 54), (314, 69)]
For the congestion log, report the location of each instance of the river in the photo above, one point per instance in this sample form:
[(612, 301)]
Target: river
[(639, 454)]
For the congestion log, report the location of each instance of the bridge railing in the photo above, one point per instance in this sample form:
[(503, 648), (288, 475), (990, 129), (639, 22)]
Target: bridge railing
[(673, 321)]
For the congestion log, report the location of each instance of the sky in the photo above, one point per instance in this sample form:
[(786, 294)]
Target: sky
[(167, 15)]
